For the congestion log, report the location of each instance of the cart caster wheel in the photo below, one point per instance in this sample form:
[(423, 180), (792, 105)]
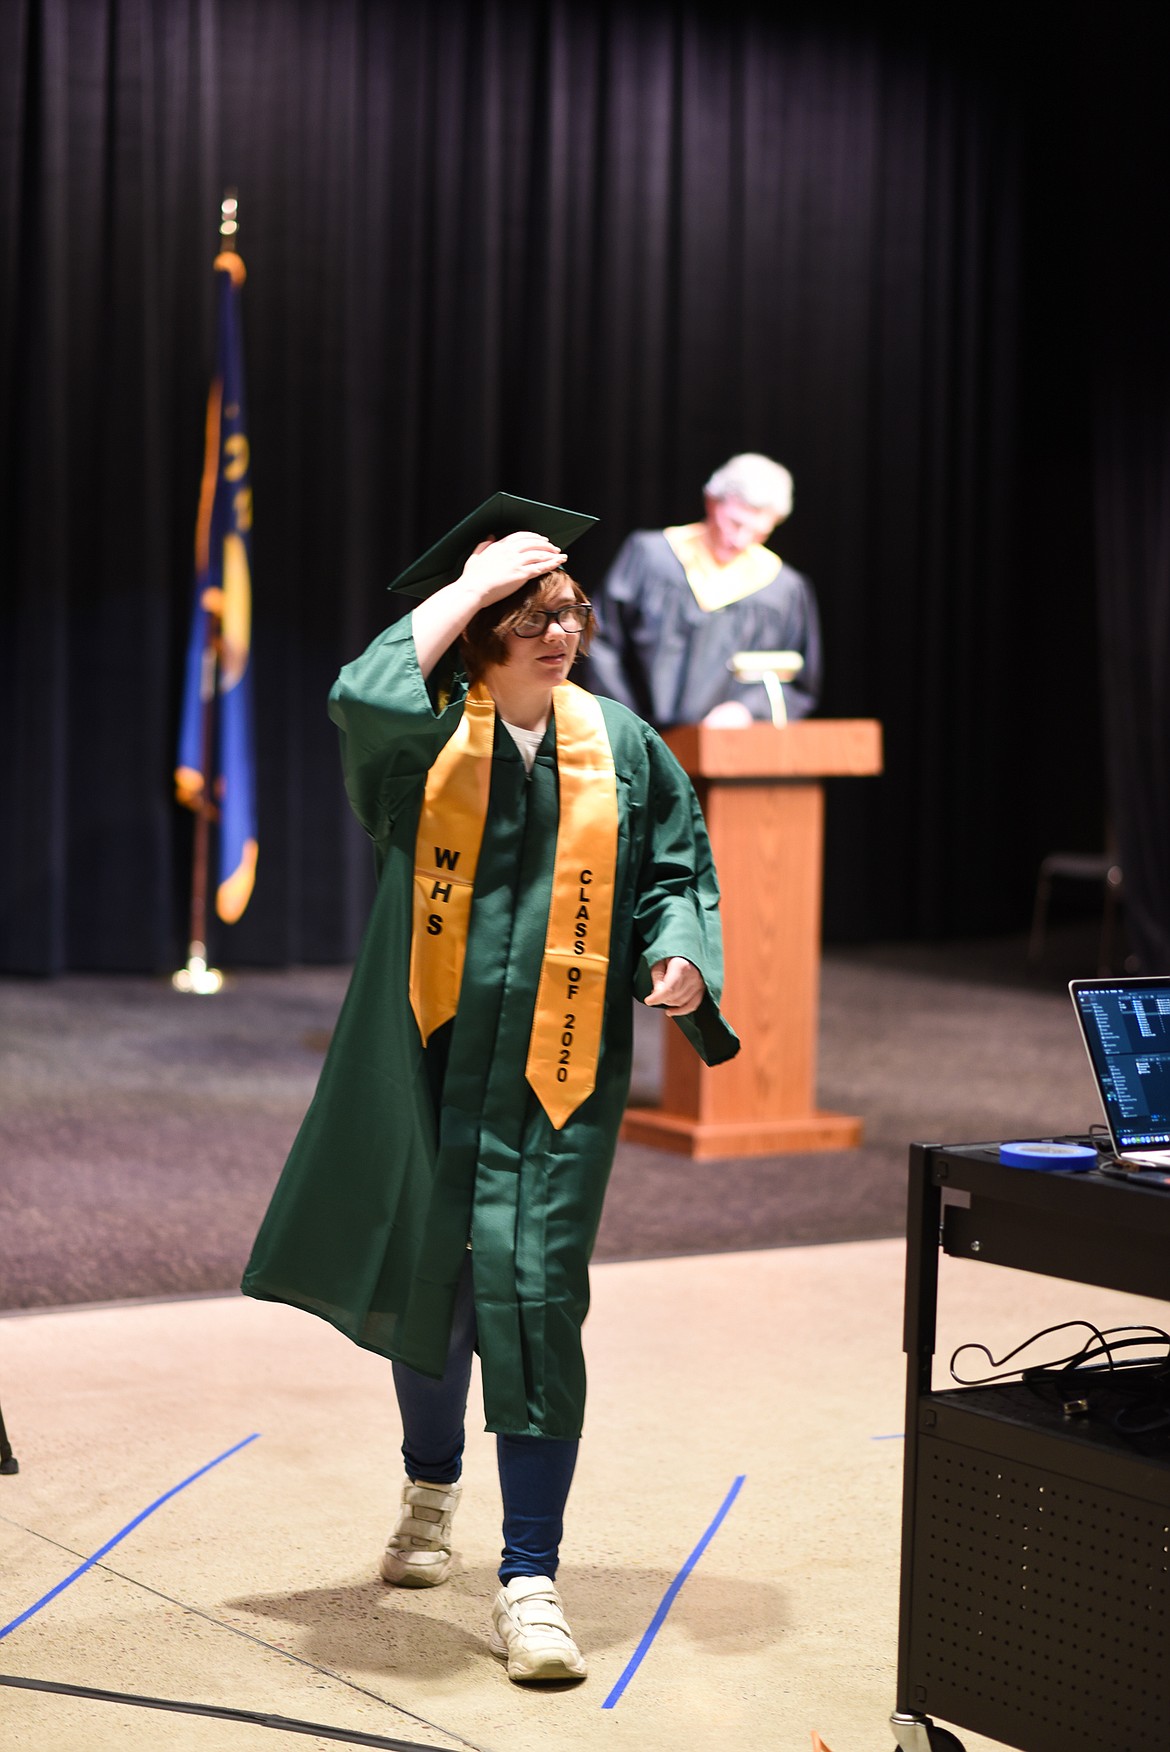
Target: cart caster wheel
[(917, 1733)]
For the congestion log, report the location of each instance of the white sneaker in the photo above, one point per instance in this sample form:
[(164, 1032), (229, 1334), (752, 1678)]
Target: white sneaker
[(529, 1631), (418, 1552)]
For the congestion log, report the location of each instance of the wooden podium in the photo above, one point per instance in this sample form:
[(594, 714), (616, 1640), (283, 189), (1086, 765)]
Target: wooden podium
[(763, 800)]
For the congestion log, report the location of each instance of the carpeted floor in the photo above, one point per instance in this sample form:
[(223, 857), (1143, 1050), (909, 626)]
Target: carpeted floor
[(141, 1132)]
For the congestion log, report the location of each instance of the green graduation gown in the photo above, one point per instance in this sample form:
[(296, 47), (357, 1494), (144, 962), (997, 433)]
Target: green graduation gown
[(408, 1153)]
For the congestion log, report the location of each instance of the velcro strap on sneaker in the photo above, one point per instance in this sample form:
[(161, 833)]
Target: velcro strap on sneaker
[(539, 1610), (425, 1535), (432, 1501)]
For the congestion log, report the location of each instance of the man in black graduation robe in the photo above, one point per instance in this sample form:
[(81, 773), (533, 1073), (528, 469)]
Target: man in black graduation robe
[(678, 604)]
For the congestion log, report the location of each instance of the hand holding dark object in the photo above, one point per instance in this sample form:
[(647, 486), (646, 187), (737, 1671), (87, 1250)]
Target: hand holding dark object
[(676, 987)]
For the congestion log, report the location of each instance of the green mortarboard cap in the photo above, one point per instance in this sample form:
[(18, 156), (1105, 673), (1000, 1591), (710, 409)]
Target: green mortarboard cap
[(502, 514)]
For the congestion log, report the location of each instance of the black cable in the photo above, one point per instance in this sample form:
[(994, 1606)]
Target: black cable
[(218, 1712), (1096, 1363), (1004, 1374)]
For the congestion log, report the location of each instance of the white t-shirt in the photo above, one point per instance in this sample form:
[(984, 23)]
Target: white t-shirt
[(527, 741)]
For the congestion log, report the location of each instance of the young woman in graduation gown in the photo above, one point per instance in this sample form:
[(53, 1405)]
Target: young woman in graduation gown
[(541, 857)]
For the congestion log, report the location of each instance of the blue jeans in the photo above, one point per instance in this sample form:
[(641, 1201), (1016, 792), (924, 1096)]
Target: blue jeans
[(535, 1471)]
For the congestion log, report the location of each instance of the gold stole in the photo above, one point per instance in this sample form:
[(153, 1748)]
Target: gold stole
[(715, 586), (450, 826), (570, 999)]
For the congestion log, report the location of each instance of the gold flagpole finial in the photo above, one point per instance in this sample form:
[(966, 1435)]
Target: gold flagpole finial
[(229, 221), (229, 256)]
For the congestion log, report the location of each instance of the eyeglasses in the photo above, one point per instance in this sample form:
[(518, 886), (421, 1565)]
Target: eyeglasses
[(571, 617)]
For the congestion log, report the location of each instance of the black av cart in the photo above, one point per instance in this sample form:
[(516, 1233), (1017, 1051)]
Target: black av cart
[(1035, 1578)]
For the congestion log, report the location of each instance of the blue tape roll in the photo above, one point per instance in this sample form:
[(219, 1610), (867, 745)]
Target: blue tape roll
[(1049, 1155)]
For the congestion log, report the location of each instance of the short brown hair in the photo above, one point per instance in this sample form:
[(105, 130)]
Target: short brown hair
[(483, 637)]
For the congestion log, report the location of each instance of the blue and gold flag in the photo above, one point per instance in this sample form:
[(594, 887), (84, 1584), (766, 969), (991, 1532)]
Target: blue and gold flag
[(216, 723)]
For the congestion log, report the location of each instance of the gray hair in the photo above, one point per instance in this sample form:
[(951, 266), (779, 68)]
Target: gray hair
[(757, 480)]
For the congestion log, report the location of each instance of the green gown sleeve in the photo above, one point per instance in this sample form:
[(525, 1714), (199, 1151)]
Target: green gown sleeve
[(391, 730), (677, 907)]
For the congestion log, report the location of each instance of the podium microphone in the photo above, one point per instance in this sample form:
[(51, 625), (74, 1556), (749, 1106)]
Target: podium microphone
[(770, 667)]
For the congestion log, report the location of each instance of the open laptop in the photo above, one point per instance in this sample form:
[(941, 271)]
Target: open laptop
[(1125, 1025)]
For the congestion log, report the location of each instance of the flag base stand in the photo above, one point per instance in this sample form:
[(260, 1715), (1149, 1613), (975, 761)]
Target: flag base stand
[(197, 976)]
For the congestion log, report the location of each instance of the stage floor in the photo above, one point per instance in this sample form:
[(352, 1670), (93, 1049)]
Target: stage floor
[(253, 1586), (142, 1132)]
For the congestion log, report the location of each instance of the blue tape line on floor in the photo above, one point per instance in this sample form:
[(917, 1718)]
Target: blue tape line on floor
[(36, 1607), (671, 1594)]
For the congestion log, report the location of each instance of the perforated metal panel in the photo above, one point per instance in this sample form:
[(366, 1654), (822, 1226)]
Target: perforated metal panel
[(1041, 1597)]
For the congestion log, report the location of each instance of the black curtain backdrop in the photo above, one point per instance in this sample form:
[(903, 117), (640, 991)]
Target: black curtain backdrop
[(1131, 301), (579, 252)]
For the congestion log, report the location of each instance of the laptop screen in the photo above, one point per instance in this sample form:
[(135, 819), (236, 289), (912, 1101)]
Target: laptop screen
[(1126, 1028)]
